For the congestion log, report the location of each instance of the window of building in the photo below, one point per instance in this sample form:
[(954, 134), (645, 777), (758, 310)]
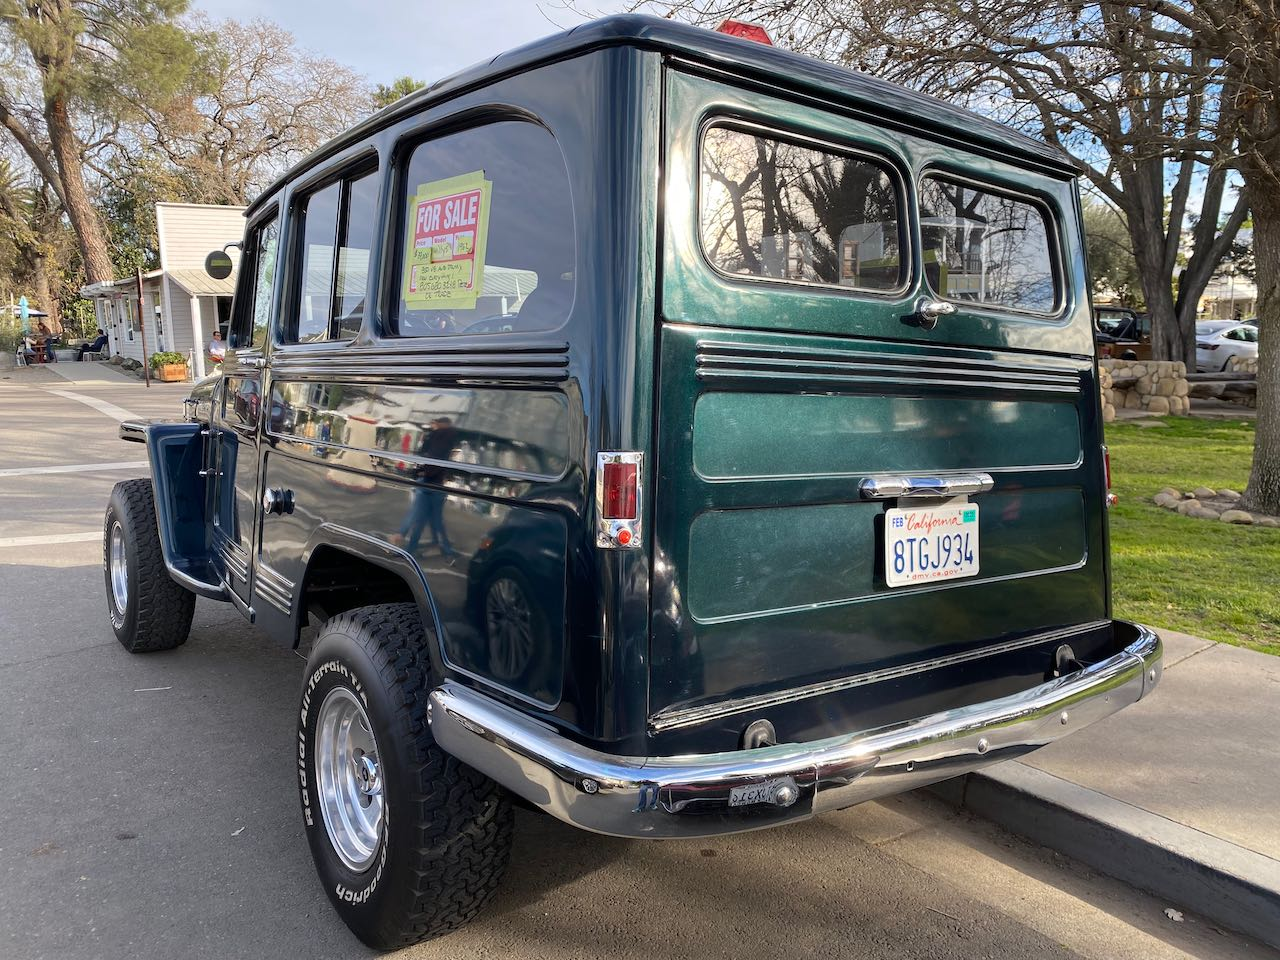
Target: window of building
[(337, 228), (776, 210), (986, 247), (487, 234)]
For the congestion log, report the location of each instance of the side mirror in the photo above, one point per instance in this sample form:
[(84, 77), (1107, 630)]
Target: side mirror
[(218, 263)]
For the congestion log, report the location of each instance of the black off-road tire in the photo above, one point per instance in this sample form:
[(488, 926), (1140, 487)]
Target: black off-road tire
[(445, 834), (157, 612)]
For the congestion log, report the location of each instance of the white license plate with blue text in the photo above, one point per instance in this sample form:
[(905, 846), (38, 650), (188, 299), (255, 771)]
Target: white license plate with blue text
[(925, 544)]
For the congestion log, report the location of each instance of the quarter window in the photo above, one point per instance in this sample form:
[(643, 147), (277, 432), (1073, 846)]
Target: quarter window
[(776, 210), (487, 234), (985, 247), (336, 231)]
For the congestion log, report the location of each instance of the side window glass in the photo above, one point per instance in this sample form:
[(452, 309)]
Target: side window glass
[(985, 247), (776, 210), (487, 234), (252, 317), (336, 237)]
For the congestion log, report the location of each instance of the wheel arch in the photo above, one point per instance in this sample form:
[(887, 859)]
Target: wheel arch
[(373, 571)]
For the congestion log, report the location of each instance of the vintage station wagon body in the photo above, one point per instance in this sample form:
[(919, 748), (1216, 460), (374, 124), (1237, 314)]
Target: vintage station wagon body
[(788, 310)]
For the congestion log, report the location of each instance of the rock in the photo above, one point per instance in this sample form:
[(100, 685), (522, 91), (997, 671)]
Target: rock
[(1166, 388), (1158, 405), (1229, 494), (1144, 385), (1131, 400), (1148, 423), (1203, 513), (1108, 413), (1181, 388), (1205, 493), (1268, 522), (1236, 516), (1167, 501), (1172, 491), (1186, 506)]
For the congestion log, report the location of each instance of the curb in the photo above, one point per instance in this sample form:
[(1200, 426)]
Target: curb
[(1206, 875)]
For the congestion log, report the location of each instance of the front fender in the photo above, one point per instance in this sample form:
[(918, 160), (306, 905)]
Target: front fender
[(176, 453)]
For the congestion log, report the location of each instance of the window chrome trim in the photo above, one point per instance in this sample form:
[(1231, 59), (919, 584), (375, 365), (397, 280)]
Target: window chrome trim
[(880, 160), (1062, 301)]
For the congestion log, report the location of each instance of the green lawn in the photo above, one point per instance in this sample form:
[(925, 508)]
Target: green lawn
[(1213, 579)]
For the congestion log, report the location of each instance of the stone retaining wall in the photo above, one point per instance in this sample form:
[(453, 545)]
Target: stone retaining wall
[(1161, 388), (1243, 365), (1104, 388)]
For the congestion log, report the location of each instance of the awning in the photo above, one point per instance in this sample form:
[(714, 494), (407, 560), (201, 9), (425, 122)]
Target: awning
[(197, 283)]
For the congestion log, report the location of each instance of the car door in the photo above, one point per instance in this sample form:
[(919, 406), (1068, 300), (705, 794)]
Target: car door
[(237, 414)]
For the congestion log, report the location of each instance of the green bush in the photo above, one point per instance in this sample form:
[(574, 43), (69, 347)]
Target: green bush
[(158, 360)]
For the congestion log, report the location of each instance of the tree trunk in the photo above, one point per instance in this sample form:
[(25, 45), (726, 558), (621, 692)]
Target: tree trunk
[(41, 288), (1263, 492), (84, 219)]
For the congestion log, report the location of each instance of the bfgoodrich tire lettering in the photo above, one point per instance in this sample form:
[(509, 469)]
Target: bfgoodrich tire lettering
[(148, 611), (445, 829)]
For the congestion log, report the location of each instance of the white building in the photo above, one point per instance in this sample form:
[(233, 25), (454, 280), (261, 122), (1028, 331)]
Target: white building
[(181, 303)]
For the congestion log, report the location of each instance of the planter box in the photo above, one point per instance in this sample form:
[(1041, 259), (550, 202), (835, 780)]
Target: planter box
[(169, 372)]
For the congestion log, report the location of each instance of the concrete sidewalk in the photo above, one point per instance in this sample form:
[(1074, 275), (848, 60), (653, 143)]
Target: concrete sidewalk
[(1179, 794), (90, 371)]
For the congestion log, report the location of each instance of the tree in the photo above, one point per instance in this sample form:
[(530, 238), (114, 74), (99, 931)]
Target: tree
[(265, 105), (384, 96), (1112, 265), (83, 66)]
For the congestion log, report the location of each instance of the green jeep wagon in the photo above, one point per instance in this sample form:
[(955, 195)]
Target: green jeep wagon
[(665, 431)]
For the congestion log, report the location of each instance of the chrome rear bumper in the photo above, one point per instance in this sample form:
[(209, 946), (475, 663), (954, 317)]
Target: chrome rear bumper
[(710, 794)]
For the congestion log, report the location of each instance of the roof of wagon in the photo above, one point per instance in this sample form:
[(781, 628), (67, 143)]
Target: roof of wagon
[(773, 65)]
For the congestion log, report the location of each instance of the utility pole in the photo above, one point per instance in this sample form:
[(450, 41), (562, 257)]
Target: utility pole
[(142, 332)]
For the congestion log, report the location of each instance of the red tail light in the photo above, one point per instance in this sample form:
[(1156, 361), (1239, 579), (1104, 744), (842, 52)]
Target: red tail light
[(745, 31), (619, 494), (620, 482)]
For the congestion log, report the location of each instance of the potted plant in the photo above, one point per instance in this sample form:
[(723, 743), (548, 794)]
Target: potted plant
[(169, 365)]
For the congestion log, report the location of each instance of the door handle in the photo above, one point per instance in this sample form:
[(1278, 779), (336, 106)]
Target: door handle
[(927, 313), (896, 486)]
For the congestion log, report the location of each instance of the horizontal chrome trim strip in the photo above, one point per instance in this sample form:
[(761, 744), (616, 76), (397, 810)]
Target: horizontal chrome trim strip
[(852, 367), (870, 378), (936, 356), (674, 719), (889, 486), (694, 796), (334, 371), (274, 588)]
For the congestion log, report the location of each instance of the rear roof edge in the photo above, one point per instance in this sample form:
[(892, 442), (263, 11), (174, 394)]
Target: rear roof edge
[(782, 68)]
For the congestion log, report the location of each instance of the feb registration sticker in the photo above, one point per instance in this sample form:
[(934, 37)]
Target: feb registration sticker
[(922, 545)]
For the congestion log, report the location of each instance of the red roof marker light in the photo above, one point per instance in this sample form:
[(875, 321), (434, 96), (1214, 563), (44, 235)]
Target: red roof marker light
[(745, 31)]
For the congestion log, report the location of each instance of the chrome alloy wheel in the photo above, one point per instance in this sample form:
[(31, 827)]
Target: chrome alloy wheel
[(118, 567), (348, 778)]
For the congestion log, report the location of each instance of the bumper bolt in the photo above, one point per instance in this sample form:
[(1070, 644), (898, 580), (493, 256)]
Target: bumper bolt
[(589, 786), (1063, 718), (983, 745)]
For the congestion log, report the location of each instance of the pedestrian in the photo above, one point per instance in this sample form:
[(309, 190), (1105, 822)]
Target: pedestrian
[(42, 328), (99, 342), (217, 349)]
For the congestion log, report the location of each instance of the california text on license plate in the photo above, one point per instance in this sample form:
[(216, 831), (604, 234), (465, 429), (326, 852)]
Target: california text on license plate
[(925, 544)]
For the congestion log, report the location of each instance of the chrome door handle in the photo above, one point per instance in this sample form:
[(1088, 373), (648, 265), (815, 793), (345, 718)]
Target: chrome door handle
[(261, 362), (927, 313), (889, 487)]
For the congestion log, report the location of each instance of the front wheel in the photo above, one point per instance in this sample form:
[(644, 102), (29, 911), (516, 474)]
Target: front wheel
[(409, 842), (148, 610)]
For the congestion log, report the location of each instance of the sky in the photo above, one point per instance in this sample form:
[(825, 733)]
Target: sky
[(424, 39)]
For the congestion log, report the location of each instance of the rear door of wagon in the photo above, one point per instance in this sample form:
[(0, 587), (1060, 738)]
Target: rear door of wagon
[(797, 246)]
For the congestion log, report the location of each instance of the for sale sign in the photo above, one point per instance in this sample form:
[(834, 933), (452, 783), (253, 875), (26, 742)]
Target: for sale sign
[(448, 224)]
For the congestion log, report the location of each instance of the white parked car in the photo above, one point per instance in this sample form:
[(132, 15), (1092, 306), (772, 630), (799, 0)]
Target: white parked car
[(1217, 341)]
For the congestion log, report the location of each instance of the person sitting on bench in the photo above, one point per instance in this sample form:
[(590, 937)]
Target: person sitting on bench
[(96, 347)]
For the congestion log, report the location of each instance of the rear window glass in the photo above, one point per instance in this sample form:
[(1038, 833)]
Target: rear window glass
[(985, 247), (776, 210), (487, 238)]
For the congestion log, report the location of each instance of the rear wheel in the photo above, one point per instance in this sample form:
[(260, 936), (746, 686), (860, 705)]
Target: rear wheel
[(148, 610), (409, 842)]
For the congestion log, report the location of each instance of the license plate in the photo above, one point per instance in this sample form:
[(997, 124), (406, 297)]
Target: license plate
[(922, 545), (766, 792)]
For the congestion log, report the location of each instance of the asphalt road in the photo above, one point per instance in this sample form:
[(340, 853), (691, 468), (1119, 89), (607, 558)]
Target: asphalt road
[(149, 809)]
